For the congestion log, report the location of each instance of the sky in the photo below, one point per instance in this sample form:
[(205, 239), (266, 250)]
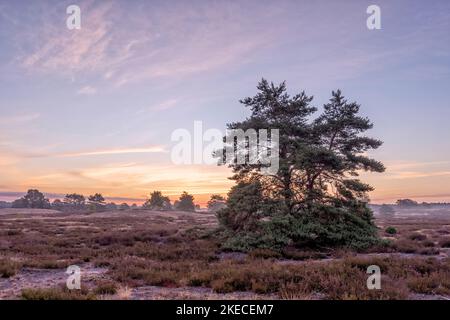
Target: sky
[(93, 110)]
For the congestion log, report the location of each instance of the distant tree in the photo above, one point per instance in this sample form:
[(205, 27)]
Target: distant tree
[(386, 209), (157, 202), (19, 203), (216, 203), (197, 207), (33, 199), (134, 206), (111, 206), (96, 202), (407, 203), (75, 201), (4, 205), (124, 206), (186, 202), (58, 205)]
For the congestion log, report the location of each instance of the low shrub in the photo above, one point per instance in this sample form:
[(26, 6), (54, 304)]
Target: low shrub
[(58, 293), (434, 283), (328, 227), (406, 246), (105, 287), (8, 268), (391, 230)]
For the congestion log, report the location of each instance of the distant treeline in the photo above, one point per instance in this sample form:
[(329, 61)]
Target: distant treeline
[(4, 204), (77, 202), (409, 203)]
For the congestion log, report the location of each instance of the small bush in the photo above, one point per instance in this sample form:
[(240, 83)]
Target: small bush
[(406, 246), (8, 268), (105, 287), (426, 284), (58, 293), (222, 286), (391, 230)]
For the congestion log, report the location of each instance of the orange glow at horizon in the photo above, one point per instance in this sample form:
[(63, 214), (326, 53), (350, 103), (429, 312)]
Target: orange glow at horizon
[(132, 182)]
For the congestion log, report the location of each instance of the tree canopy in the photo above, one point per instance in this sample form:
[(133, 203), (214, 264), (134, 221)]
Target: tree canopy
[(75, 200), (33, 199), (317, 185), (158, 202), (96, 202), (186, 202)]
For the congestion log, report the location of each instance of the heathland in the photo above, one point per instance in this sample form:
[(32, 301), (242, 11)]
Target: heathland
[(143, 254)]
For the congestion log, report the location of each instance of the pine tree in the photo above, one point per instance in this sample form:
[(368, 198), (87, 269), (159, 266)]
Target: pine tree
[(315, 197)]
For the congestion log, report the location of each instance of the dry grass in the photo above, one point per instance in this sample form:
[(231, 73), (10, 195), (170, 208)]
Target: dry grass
[(8, 268), (177, 250), (57, 293)]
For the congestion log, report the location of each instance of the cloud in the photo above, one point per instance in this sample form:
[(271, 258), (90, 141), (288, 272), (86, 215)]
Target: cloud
[(166, 41), (181, 39), (400, 165), (164, 105), (19, 118), (417, 174), (72, 51), (87, 90), (153, 149), (9, 155), (417, 169)]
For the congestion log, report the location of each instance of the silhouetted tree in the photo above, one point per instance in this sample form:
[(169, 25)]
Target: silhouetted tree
[(58, 205), (96, 202), (75, 201), (33, 199), (186, 202), (124, 206), (111, 206), (216, 203), (19, 203), (157, 202), (4, 204), (407, 203)]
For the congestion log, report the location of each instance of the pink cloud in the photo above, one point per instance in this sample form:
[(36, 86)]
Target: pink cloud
[(177, 41)]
